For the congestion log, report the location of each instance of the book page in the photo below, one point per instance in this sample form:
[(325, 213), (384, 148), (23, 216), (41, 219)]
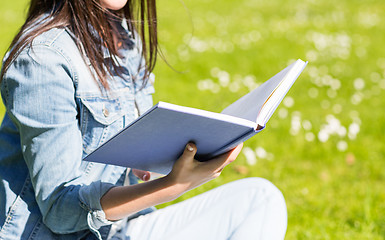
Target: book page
[(250, 105), (207, 114), (279, 93)]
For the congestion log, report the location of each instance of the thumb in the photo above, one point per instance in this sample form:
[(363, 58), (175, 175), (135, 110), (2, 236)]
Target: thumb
[(189, 151), (143, 175)]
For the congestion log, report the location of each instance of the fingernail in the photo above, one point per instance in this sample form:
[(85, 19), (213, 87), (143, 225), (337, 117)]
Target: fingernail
[(145, 176), (190, 148)]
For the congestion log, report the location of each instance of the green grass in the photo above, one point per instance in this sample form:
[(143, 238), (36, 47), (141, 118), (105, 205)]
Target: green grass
[(12, 14), (334, 187)]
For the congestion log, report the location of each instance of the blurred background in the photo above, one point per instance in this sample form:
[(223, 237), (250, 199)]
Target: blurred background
[(324, 146)]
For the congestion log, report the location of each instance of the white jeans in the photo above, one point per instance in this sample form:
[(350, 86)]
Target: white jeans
[(251, 208)]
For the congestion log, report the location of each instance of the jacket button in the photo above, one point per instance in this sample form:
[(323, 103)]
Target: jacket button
[(106, 113)]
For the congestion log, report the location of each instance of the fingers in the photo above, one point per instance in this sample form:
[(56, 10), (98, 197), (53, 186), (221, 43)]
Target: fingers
[(143, 175), (225, 159), (235, 152), (213, 166), (190, 173)]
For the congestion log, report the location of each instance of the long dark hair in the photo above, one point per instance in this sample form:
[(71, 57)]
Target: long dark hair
[(83, 18)]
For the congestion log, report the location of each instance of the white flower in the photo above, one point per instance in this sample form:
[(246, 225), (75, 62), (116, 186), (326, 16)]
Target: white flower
[(309, 136), (261, 152), (342, 146), (323, 136), (250, 156), (359, 83)]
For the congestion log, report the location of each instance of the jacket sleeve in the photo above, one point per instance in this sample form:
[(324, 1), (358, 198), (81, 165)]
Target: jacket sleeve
[(39, 95)]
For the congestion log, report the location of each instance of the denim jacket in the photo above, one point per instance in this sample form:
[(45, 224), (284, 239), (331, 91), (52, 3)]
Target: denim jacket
[(56, 115)]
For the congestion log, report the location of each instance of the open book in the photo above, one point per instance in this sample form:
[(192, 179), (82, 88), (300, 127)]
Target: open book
[(157, 138)]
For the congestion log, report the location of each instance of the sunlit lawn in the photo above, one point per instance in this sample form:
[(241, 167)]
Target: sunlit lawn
[(324, 145)]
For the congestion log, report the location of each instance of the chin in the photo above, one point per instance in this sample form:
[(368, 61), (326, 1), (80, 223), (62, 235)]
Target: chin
[(113, 4)]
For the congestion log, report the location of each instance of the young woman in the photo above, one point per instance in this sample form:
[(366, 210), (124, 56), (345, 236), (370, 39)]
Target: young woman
[(77, 73)]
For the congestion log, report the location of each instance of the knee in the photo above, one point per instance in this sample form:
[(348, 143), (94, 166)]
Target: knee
[(264, 189)]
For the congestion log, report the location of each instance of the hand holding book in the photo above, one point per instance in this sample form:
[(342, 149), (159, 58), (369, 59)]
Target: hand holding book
[(190, 173)]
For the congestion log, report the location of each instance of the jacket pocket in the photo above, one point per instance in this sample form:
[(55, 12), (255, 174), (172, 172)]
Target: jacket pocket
[(103, 110), (101, 118)]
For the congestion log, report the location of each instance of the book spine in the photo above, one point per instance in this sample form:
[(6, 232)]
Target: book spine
[(229, 146)]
